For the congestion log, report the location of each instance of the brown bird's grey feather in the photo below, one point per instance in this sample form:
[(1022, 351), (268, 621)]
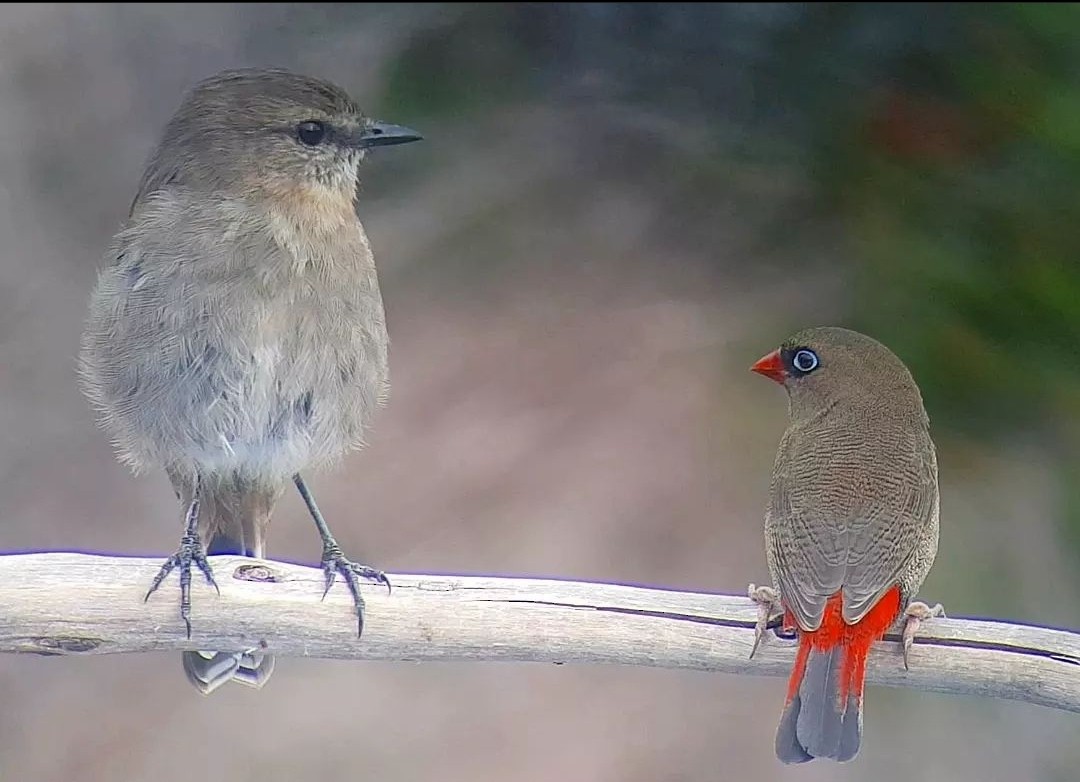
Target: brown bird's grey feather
[(237, 334), (212, 347)]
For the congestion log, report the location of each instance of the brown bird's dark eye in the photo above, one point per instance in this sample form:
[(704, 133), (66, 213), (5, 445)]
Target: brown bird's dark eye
[(312, 132), (805, 360)]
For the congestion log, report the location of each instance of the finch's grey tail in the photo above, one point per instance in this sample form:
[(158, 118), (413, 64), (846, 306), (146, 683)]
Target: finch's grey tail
[(209, 670), (815, 724)]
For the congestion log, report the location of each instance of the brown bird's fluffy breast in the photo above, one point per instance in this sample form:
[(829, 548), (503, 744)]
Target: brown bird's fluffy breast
[(255, 343)]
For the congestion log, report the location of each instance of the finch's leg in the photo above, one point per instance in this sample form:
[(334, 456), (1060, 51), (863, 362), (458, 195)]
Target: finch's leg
[(915, 615), (768, 602)]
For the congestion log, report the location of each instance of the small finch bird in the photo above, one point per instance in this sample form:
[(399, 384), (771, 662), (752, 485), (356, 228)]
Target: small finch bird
[(236, 335), (851, 528)]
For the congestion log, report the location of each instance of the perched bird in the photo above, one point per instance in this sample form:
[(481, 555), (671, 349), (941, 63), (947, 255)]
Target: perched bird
[(236, 335), (851, 529)]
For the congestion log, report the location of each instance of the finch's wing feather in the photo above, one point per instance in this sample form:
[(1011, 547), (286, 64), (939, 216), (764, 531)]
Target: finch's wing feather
[(901, 511), (847, 514), (808, 548)]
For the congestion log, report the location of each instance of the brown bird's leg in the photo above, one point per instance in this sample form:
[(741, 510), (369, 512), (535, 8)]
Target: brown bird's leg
[(915, 615), (334, 562), (768, 601), (191, 550)]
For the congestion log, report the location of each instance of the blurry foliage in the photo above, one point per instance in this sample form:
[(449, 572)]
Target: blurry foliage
[(961, 192), (481, 58), (957, 175), (944, 138)]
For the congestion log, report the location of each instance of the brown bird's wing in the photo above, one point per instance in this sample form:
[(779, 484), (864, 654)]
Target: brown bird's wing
[(841, 515)]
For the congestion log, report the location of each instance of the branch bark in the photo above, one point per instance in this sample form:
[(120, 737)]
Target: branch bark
[(68, 603)]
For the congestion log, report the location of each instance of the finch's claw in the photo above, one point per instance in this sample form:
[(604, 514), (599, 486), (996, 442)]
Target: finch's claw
[(768, 602), (334, 562), (915, 615)]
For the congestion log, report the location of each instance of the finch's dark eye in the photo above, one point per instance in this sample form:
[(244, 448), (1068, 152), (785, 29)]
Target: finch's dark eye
[(311, 132), (805, 360)]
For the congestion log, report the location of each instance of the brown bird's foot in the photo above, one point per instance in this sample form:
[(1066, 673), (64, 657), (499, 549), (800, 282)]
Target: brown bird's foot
[(209, 670), (334, 562), (915, 615), (768, 602), (191, 550)]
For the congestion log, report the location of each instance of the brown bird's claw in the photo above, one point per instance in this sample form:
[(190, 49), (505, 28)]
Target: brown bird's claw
[(768, 602), (915, 615), (209, 670), (334, 562), (191, 550)]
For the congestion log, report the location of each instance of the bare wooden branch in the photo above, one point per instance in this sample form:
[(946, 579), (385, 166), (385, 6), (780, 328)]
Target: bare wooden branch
[(65, 603)]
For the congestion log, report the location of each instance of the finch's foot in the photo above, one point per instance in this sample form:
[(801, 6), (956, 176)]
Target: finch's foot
[(916, 614), (768, 602), (334, 562), (191, 550)]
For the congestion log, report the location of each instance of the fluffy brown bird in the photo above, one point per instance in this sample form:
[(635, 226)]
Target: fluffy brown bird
[(236, 335), (851, 528)]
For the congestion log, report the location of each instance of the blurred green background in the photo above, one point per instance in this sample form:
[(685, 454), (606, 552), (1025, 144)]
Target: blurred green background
[(941, 139)]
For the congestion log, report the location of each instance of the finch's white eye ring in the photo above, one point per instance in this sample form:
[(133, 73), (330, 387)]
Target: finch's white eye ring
[(805, 360)]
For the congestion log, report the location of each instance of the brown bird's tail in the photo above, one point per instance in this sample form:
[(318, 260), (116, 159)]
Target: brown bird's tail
[(823, 714), (232, 520)]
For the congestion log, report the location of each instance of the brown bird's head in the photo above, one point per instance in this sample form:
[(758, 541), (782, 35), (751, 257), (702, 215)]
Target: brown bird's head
[(246, 132), (824, 366)]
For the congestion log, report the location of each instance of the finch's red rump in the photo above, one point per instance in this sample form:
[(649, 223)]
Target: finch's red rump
[(855, 640)]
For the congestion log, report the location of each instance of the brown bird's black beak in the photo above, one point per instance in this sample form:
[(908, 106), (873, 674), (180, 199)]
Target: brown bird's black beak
[(383, 134), (771, 366)]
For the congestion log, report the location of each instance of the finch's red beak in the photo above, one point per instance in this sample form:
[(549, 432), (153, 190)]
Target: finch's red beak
[(772, 366)]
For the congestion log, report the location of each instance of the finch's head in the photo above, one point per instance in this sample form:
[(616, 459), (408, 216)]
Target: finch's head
[(825, 366), (245, 131)]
